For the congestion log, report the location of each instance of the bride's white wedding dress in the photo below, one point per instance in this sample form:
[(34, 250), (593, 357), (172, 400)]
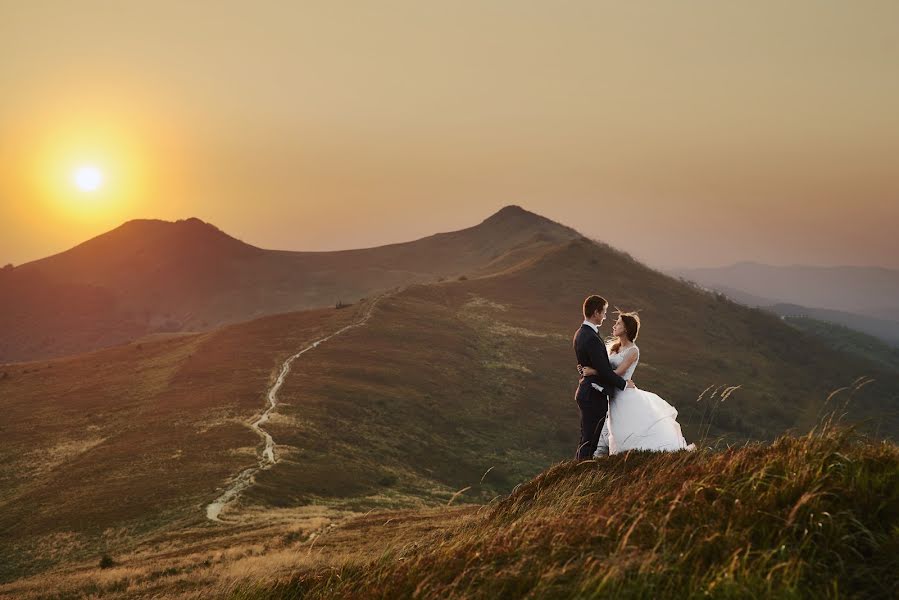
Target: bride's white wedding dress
[(641, 420)]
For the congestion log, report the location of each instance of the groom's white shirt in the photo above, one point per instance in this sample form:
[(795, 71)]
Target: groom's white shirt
[(595, 328)]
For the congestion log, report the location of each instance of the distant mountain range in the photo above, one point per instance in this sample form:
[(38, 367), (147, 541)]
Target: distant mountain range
[(150, 276), (865, 299)]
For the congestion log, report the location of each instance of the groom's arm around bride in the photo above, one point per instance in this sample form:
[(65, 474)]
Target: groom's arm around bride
[(605, 376)]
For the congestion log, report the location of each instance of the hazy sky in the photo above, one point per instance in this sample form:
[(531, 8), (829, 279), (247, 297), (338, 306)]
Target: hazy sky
[(687, 133)]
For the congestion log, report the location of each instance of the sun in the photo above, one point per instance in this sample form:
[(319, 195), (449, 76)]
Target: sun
[(88, 178), (89, 169)]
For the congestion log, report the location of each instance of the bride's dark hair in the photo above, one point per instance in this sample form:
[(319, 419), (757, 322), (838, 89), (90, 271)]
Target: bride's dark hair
[(631, 322)]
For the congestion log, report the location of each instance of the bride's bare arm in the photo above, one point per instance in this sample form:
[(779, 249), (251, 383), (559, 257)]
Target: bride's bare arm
[(626, 363)]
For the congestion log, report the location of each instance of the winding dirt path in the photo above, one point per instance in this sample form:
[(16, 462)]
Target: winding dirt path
[(267, 460)]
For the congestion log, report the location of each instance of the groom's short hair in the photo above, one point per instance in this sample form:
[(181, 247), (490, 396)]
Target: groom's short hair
[(593, 304)]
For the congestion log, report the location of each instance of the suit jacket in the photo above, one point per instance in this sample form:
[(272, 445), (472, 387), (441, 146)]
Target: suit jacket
[(591, 352)]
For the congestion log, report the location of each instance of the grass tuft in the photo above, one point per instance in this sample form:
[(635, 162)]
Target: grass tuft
[(815, 516)]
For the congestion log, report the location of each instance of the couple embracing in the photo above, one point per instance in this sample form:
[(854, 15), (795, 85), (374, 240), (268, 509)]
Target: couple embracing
[(615, 415)]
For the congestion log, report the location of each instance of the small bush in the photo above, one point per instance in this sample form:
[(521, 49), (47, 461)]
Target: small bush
[(387, 480), (106, 561)]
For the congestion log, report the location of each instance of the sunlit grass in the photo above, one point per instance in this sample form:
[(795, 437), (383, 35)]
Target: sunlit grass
[(808, 517), (812, 516)]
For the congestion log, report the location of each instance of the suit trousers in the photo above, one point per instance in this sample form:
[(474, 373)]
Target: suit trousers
[(593, 406)]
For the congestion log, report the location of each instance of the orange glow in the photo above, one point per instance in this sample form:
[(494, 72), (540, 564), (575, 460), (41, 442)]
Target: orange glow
[(87, 170), (275, 124)]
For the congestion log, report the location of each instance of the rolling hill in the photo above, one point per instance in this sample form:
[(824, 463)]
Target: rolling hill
[(883, 329), (464, 384), (849, 341), (872, 291), (865, 299), (151, 276), (134, 439)]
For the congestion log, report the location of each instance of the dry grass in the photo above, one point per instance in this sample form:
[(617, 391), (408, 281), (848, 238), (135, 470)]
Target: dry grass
[(269, 547), (809, 517), (43, 460), (815, 516), (134, 439), (446, 383)]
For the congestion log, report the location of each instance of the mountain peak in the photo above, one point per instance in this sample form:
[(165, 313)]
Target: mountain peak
[(189, 227), (159, 224), (514, 218), (150, 237), (196, 224), (513, 211)]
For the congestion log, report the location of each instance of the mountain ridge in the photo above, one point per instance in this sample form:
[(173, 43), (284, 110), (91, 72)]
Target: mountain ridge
[(460, 384), (846, 288), (150, 275), (865, 299)]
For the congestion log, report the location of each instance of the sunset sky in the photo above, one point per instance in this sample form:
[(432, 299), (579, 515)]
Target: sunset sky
[(687, 133)]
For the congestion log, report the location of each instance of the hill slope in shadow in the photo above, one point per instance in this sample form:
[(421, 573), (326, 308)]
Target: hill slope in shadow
[(135, 439), (151, 276)]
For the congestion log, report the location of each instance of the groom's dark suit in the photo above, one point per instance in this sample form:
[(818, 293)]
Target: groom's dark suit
[(593, 404)]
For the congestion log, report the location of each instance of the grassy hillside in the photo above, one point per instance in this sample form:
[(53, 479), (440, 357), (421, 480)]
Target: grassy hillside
[(871, 291), (849, 341), (155, 276), (867, 296), (104, 448), (450, 381), (882, 329), (809, 517), (804, 517), (452, 392)]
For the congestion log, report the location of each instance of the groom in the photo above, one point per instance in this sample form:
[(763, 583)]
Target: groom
[(593, 391)]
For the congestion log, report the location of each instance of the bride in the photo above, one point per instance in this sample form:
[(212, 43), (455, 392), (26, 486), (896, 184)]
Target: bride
[(637, 419)]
